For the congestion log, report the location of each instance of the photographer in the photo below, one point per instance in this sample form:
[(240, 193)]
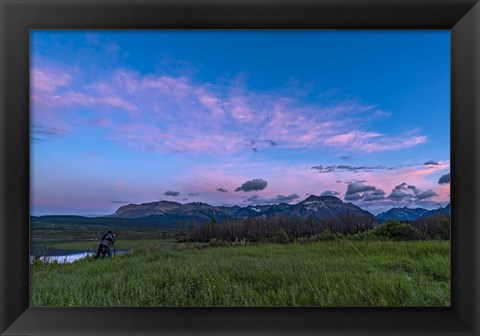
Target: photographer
[(107, 245)]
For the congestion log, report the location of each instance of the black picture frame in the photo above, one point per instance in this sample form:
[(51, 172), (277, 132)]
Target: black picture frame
[(17, 17)]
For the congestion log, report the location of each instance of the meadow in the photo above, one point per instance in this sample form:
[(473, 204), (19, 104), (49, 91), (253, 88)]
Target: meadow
[(339, 272)]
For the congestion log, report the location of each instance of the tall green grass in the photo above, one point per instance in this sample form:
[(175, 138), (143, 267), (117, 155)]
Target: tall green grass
[(336, 273), (122, 243)]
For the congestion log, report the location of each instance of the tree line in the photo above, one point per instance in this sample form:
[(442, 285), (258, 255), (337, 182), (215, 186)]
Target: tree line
[(283, 229), (256, 229)]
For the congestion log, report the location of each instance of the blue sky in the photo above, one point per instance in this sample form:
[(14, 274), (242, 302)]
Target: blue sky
[(124, 117)]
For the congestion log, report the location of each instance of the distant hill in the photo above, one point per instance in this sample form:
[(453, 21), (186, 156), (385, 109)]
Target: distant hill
[(401, 214), (408, 214), (61, 221)]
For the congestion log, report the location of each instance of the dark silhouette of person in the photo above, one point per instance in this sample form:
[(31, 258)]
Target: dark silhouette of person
[(105, 248)]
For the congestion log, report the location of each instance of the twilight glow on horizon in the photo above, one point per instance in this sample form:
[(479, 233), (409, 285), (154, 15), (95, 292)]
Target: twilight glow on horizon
[(238, 118)]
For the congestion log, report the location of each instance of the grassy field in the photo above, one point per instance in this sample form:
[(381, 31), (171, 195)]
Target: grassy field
[(128, 243), (69, 236), (335, 273)]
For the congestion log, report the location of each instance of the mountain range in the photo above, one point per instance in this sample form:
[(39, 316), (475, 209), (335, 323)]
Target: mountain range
[(166, 214), (317, 206), (408, 214), (320, 207)]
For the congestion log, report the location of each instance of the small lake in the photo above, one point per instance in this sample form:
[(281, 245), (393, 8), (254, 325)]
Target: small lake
[(68, 256)]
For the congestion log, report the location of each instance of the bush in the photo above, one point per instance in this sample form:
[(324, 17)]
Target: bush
[(328, 235), (390, 230), (325, 235), (366, 236), (217, 243), (394, 230), (281, 237)]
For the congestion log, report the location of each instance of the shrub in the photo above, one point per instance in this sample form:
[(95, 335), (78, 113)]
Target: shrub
[(217, 243), (366, 236), (325, 235), (328, 235), (281, 237), (394, 230), (390, 230)]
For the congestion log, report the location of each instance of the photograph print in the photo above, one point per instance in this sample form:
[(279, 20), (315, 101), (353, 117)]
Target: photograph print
[(230, 168)]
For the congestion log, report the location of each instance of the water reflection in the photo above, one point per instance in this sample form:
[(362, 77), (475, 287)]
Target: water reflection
[(55, 256)]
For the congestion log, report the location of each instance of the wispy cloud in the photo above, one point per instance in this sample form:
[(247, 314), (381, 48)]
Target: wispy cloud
[(329, 169), (369, 142), (40, 133), (79, 99), (179, 114), (48, 80)]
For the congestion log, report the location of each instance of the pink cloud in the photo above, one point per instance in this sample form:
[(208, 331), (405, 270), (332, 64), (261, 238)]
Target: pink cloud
[(174, 114), (239, 109), (212, 103), (354, 138), (56, 88), (48, 80), (173, 87), (117, 102), (79, 99), (369, 142)]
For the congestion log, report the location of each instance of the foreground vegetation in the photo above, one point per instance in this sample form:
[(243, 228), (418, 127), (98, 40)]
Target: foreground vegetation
[(309, 272)]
